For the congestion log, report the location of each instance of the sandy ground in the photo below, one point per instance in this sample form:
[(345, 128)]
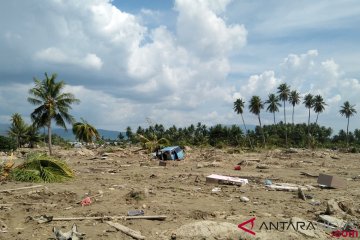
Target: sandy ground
[(180, 192)]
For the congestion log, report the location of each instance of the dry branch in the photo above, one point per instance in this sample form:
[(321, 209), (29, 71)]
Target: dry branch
[(159, 217), (126, 230), (21, 188)]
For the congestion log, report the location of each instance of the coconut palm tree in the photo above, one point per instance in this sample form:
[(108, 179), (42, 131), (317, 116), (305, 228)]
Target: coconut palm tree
[(309, 103), (319, 106), (294, 99), (18, 129), (255, 107), (152, 143), (239, 109), (52, 104), (32, 135), (348, 111), (273, 104), (85, 132), (284, 92)]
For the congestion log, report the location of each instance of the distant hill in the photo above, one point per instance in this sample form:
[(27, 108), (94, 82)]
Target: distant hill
[(4, 128), (67, 135)]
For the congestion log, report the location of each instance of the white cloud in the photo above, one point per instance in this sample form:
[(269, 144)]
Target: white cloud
[(200, 29), (260, 85), (54, 55)]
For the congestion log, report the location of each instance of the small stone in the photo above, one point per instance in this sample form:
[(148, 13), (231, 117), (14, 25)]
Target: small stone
[(244, 199)]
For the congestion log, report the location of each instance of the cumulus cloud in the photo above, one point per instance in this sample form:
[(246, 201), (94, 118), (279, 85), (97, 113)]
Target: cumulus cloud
[(129, 67), (201, 29)]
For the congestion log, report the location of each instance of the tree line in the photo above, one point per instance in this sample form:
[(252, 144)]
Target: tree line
[(52, 105), (234, 136), (285, 95)]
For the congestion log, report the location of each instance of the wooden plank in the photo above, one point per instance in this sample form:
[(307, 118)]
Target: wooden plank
[(126, 230), (21, 188)]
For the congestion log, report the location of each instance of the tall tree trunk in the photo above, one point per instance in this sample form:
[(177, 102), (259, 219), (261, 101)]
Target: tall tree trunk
[(286, 139), (347, 132), (49, 138), (246, 132), (262, 130), (309, 129), (293, 114), (317, 116), (274, 119)]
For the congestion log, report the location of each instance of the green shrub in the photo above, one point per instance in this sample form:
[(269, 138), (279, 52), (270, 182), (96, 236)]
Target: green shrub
[(7, 144)]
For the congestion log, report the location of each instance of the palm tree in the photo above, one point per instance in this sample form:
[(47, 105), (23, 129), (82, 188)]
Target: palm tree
[(152, 143), (348, 111), (32, 135), (85, 132), (284, 92), (18, 129), (52, 104), (309, 103), (239, 109), (319, 106), (294, 99), (255, 107), (274, 104)]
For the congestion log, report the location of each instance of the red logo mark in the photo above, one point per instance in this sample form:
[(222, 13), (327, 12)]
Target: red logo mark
[(241, 226)]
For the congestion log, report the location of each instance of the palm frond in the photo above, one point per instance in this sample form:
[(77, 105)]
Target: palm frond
[(42, 168)]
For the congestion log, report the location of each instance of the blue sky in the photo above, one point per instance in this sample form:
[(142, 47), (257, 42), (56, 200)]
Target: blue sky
[(183, 61)]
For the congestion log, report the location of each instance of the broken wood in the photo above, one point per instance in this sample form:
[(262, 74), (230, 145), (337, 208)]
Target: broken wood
[(301, 194), (26, 203), (288, 187), (21, 188), (309, 174), (126, 230), (159, 217)]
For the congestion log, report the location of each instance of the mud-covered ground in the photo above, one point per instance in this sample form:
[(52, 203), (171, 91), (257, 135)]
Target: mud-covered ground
[(129, 179)]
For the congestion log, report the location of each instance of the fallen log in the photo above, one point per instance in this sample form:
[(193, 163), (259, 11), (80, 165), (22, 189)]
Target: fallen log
[(21, 188), (126, 230), (160, 218)]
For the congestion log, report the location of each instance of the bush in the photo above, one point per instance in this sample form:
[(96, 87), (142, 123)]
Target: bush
[(7, 144)]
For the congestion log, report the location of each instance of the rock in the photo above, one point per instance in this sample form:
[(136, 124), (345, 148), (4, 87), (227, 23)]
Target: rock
[(262, 166), (332, 207), (268, 182), (345, 206), (244, 199), (199, 165)]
